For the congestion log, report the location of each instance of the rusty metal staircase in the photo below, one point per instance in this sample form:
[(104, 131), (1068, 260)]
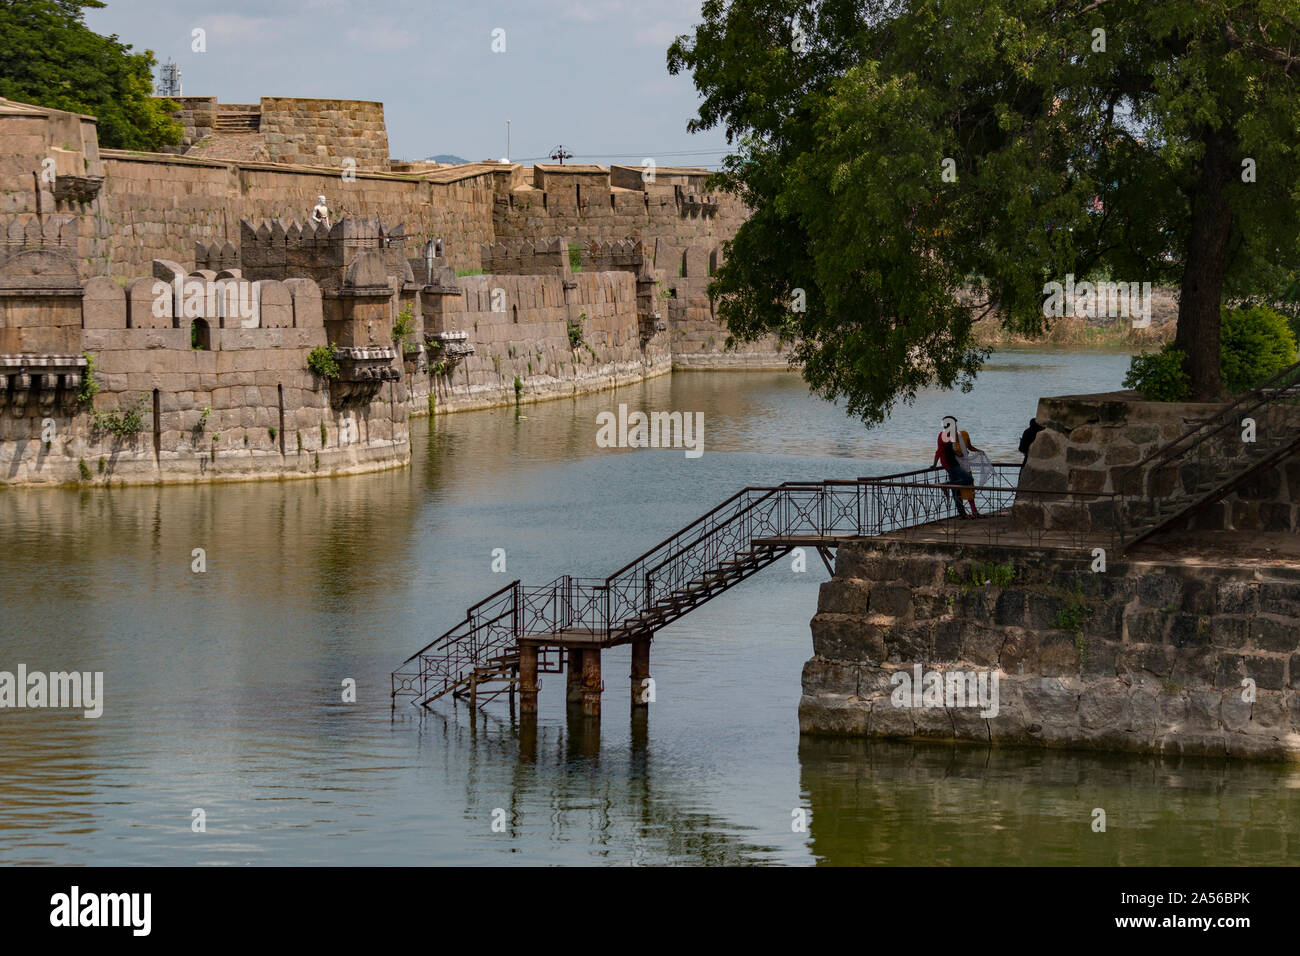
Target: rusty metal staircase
[(1210, 460), (737, 539), (712, 554)]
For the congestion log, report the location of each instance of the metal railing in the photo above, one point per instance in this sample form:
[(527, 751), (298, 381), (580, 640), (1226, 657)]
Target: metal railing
[(1209, 455), (747, 531)]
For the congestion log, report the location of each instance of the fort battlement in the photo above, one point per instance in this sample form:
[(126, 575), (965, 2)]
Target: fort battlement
[(490, 275), (30, 232)]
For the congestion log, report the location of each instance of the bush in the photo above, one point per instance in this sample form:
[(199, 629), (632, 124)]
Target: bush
[(403, 329), (1254, 345), (123, 423), (89, 386), (1160, 376), (321, 361), (576, 339)]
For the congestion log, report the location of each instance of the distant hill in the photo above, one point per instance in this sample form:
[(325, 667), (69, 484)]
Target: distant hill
[(445, 158)]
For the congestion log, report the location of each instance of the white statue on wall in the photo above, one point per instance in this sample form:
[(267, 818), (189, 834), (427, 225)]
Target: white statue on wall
[(321, 213)]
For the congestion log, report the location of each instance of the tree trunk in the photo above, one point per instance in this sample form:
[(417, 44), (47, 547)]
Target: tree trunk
[(1201, 296)]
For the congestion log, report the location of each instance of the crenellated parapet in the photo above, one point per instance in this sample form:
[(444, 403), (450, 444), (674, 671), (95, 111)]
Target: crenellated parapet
[(216, 256), (287, 248), (524, 257), (35, 236), (623, 255)]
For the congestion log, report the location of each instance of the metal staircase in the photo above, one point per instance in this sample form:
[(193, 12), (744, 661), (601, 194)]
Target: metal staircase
[(1211, 460), (737, 539), (707, 557)]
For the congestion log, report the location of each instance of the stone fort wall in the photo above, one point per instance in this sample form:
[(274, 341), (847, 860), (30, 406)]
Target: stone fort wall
[(279, 129), (1151, 656), (89, 236)]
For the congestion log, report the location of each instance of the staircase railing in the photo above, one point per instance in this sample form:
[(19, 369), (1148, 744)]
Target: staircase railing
[(697, 553), (1187, 468)]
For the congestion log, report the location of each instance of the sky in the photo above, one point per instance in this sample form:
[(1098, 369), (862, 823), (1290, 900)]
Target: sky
[(588, 74)]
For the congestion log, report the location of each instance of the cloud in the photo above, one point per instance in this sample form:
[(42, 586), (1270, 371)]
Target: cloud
[(380, 37), (237, 28)]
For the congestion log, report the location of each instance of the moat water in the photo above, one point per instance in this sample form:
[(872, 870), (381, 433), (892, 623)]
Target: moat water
[(223, 688)]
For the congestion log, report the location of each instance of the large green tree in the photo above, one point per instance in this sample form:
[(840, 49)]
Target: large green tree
[(48, 56), (1183, 116)]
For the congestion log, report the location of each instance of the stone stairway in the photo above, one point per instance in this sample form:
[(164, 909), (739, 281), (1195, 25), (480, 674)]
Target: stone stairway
[(1212, 459), (237, 122)]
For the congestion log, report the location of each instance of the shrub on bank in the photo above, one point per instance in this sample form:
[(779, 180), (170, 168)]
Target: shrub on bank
[(1255, 343), (1160, 376)]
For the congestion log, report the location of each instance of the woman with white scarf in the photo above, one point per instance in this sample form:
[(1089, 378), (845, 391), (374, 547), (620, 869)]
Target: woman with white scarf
[(965, 464)]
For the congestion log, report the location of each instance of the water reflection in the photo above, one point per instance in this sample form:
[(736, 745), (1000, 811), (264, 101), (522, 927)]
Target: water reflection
[(223, 689), (971, 806)]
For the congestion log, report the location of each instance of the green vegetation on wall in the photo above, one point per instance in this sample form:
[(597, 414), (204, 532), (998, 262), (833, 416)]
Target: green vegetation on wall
[(322, 362)]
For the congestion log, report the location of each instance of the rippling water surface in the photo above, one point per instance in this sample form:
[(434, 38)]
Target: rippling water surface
[(223, 688)]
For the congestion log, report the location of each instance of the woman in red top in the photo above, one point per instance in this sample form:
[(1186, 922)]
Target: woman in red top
[(948, 454)]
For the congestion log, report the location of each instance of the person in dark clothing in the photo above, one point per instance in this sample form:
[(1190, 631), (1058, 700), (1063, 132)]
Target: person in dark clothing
[(946, 455), (1027, 438)]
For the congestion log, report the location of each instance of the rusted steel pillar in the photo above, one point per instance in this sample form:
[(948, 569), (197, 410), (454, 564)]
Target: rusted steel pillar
[(641, 683), (573, 680), (527, 678), (591, 682)]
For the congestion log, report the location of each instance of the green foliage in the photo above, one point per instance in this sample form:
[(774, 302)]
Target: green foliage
[(1255, 344), (324, 435), (983, 574), (840, 148), (519, 389), (470, 272), (1074, 615), (439, 367), (89, 386), (575, 257), (403, 328), (124, 422), (322, 362), (576, 339), (202, 425), (273, 432), (433, 404), (298, 434), (83, 469), (1160, 376), (48, 56)]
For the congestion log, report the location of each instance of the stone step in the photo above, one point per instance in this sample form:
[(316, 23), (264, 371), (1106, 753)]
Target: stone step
[(237, 122)]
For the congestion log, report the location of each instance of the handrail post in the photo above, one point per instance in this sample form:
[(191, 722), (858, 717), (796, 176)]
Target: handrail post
[(514, 610)]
